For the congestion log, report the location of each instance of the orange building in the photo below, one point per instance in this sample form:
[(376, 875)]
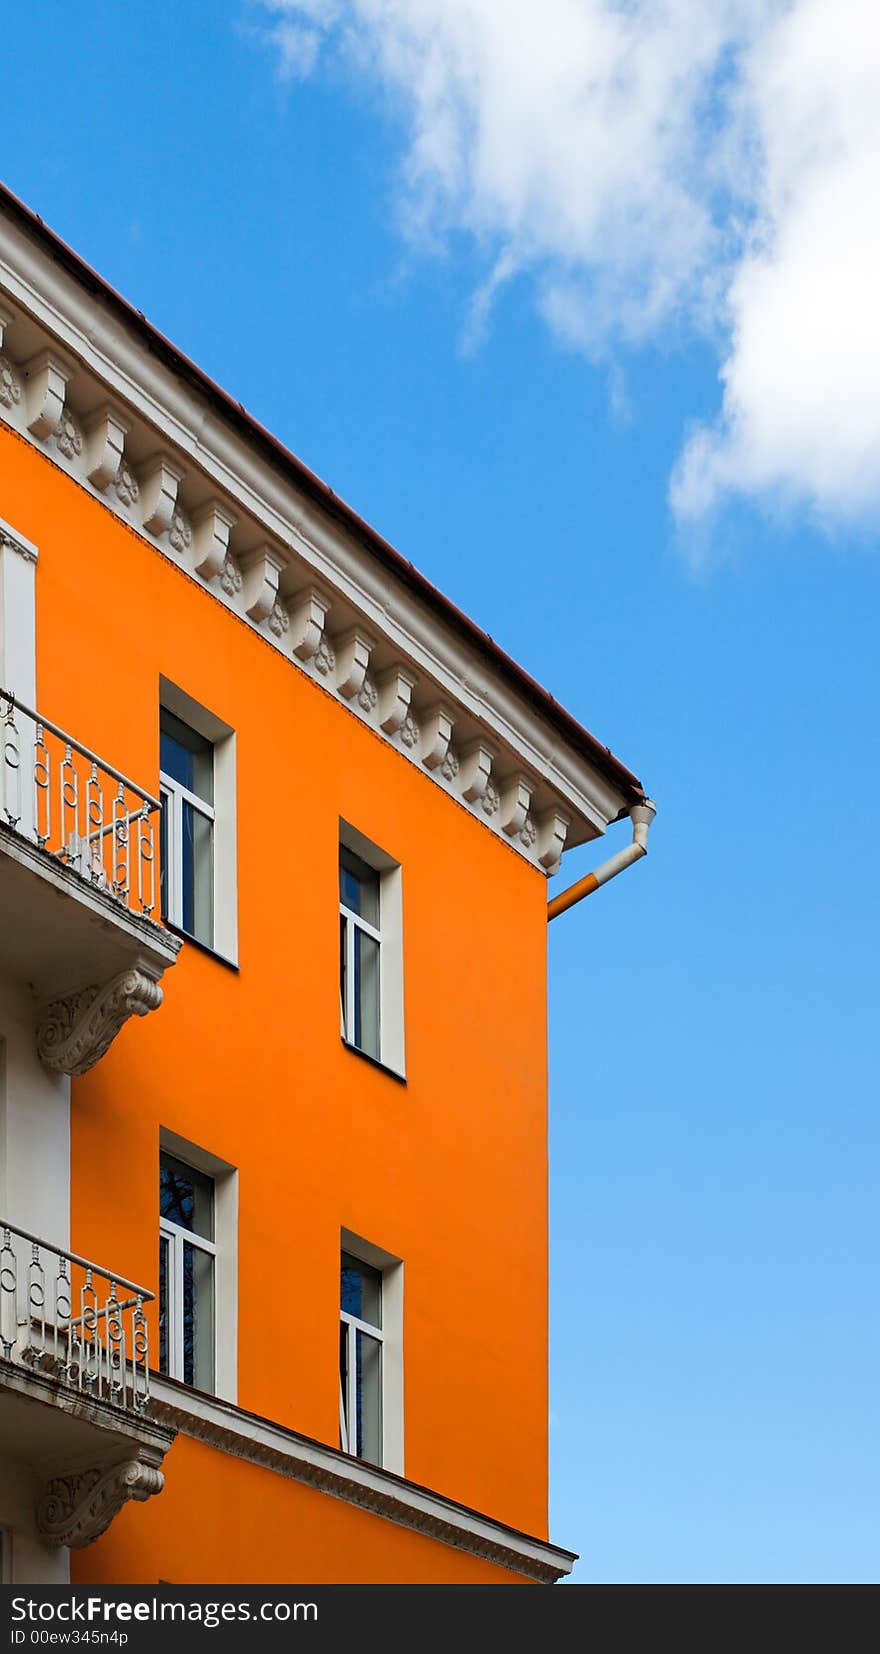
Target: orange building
[(276, 822)]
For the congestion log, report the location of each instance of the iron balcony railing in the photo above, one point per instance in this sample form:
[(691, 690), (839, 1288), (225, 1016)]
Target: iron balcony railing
[(79, 1324), (64, 798)]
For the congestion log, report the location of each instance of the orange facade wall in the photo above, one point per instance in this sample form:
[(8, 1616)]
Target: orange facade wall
[(447, 1172), (226, 1522)]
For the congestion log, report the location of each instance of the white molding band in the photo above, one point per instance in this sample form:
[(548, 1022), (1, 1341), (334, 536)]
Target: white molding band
[(247, 1436), (210, 501)]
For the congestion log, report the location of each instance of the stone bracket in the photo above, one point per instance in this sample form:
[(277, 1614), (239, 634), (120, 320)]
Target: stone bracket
[(105, 442), (159, 484), (437, 727), (47, 375), (75, 1032), (308, 612), (262, 570), (7, 317), (75, 1510), (475, 769), (353, 653), (516, 796), (212, 526), (552, 833), (395, 693)]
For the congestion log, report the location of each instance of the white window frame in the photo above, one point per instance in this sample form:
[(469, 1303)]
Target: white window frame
[(390, 1337), (348, 1009), (177, 795), (177, 1237), (222, 814), (348, 1403), (225, 1250), (389, 935)]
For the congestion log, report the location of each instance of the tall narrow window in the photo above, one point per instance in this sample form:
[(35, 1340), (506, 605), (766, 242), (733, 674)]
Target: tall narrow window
[(360, 952), (361, 1341), (186, 788), (187, 1254)]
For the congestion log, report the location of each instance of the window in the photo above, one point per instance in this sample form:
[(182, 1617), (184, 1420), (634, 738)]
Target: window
[(187, 1252), (360, 1359), (370, 1353), (186, 788), (360, 941), (198, 827), (198, 1267), (370, 950)]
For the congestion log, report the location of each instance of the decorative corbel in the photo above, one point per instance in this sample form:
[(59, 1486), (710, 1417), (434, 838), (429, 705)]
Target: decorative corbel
[(475, 769), (262, 573), (76, 1032), (47, 376), (552, 833), (10, 388), (353, 651), (231, 577), (308, 612), (105, 442), (75, 1510), (212, 525), (437, 726), (515, 797), (279, 619), (324, 658), (180, 533), (7, 317), (395, 693), (159, 484)]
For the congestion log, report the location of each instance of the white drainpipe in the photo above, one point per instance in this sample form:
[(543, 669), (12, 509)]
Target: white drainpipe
[(641, 816)]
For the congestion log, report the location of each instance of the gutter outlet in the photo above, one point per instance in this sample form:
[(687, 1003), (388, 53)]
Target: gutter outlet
[(641, 816)]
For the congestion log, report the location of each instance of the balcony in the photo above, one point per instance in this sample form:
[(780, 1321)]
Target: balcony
[(75, 1386), (78, 889)]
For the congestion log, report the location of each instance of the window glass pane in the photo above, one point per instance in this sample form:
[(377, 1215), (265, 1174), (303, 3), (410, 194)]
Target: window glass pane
[(369, 1398), (197, 875), (198, 1317), (186, 1196), (186, 756), (358, 886), (366, 993), (163, 1303), (361, 1290)]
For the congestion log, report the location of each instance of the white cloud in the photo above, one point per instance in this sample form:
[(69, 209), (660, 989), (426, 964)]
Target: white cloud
[(658, 167), (800, 420), (290, 34)]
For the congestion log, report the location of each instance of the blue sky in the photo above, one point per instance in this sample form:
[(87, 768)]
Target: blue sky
[(713, 1014)]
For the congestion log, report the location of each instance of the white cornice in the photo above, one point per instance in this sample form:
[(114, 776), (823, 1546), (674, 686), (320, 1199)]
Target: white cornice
[(210, 501), (232, 1430)]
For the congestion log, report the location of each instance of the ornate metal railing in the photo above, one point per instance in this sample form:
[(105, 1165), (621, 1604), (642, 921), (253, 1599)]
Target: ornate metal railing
[(80, 1324), (64, 798)]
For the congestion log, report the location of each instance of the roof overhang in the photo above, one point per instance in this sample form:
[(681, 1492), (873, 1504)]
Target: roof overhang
[(110, 401)]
